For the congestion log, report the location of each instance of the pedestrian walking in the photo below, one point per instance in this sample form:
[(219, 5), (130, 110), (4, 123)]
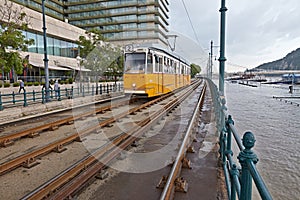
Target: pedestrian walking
[(56, 88), (22, 87)]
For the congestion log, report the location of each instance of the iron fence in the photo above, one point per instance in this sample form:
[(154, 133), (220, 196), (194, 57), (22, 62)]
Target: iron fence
[(15, 99), (238, 178)]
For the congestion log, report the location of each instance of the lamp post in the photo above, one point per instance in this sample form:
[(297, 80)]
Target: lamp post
[(222, 58), (79, 59), (45, 54)]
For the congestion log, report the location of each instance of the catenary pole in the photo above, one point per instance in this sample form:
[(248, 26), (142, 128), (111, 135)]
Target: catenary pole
[(45, 54)]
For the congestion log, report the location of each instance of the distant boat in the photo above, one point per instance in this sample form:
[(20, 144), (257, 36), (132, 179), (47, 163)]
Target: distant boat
[(292, 78), (287, 79)]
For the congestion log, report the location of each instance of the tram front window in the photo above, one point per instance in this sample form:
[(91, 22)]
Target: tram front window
[(135, 62)]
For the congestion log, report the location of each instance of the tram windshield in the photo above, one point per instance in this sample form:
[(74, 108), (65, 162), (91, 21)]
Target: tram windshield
[(135, 62)]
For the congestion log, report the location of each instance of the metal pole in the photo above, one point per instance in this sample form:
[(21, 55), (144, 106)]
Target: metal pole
[(222, 58), (45, 54), (208, 65), (211, 59), (80, 81)]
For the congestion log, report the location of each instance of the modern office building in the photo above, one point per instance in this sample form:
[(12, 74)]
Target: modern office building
[(121, 21), (61, 46)]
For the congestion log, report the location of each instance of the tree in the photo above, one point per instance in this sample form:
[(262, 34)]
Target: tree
[(195, 69), (87, 44), (99, 56), (105, 59), (12, 40)]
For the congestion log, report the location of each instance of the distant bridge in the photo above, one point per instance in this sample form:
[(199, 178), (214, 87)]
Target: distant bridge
[(267, 72), (275, 72)]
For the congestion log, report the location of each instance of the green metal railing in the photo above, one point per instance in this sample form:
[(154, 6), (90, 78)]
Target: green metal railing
[(15, 99), (238, 179)]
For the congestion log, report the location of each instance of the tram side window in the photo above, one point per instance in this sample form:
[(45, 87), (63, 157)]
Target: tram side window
[(135, 62), (189, 71), (156, 58), (176, 68), (160, 64), (172, 67), (149, 63), (165, 70)]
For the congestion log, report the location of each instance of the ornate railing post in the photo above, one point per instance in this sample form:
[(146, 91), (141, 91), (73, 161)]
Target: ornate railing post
[(58, 93), (25, 99), (229, 136), (33, 95), (72, 92), (234, 183), (43, 96), (1, 106), (14, 97), (245, 156)]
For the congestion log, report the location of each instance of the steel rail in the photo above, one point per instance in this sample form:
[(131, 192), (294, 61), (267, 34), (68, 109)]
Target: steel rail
[(9, 138), (31, 157), (169, 187), (129, 139), (110, 150)]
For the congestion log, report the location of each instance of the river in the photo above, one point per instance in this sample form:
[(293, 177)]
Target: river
[(276, 126)]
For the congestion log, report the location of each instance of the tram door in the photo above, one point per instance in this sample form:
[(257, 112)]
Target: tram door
[(160, 78), (176, 75)]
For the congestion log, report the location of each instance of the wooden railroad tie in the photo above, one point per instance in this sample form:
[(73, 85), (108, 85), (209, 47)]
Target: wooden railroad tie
[(53, 128), (181, 185), (30, 162), (59, 148), (163, 181), (33, 134), (6, 143)]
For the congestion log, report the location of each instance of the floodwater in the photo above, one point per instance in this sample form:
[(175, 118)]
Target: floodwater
[(276, 126)]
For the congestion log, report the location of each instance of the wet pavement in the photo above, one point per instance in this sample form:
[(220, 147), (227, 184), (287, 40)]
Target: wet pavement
[(203, 179)]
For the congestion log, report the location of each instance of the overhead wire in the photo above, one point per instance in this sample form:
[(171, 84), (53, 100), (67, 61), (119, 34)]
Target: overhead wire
[(187, 13)]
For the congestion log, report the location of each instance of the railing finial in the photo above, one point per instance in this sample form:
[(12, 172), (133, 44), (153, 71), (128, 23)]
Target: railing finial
[(245, 156)]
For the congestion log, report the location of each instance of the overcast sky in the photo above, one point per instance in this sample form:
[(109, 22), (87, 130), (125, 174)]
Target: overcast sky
[(257, 31)]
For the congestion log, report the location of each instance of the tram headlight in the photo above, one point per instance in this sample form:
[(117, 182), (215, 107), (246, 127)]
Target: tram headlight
[(133, 85)]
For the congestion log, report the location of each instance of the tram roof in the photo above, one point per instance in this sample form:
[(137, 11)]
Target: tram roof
[(158, 47)]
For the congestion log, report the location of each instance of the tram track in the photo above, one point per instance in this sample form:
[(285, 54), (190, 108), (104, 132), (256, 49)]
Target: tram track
[(30, 159), (62, 186), (32, 132), (173, 181)]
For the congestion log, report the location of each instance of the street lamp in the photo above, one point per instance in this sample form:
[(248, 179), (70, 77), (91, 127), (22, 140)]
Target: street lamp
[(79, 59), (222, 58), (45, 54)]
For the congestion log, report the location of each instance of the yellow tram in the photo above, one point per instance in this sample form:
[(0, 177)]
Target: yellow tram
[(151, 71)]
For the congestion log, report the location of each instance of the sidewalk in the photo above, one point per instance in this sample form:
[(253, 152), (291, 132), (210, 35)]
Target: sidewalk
[(12, 114)]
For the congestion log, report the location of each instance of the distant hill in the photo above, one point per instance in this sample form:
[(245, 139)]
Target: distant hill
[(290, 62)]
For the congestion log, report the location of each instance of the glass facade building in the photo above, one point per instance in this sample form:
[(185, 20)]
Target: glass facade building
[(120, 21), (55, 47)]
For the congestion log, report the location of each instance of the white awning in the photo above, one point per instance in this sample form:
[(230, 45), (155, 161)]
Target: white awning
[(41, 65), (76, 68)]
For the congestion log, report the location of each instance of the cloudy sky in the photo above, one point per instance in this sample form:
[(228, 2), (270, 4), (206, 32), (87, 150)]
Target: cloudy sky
[(257, 31)]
